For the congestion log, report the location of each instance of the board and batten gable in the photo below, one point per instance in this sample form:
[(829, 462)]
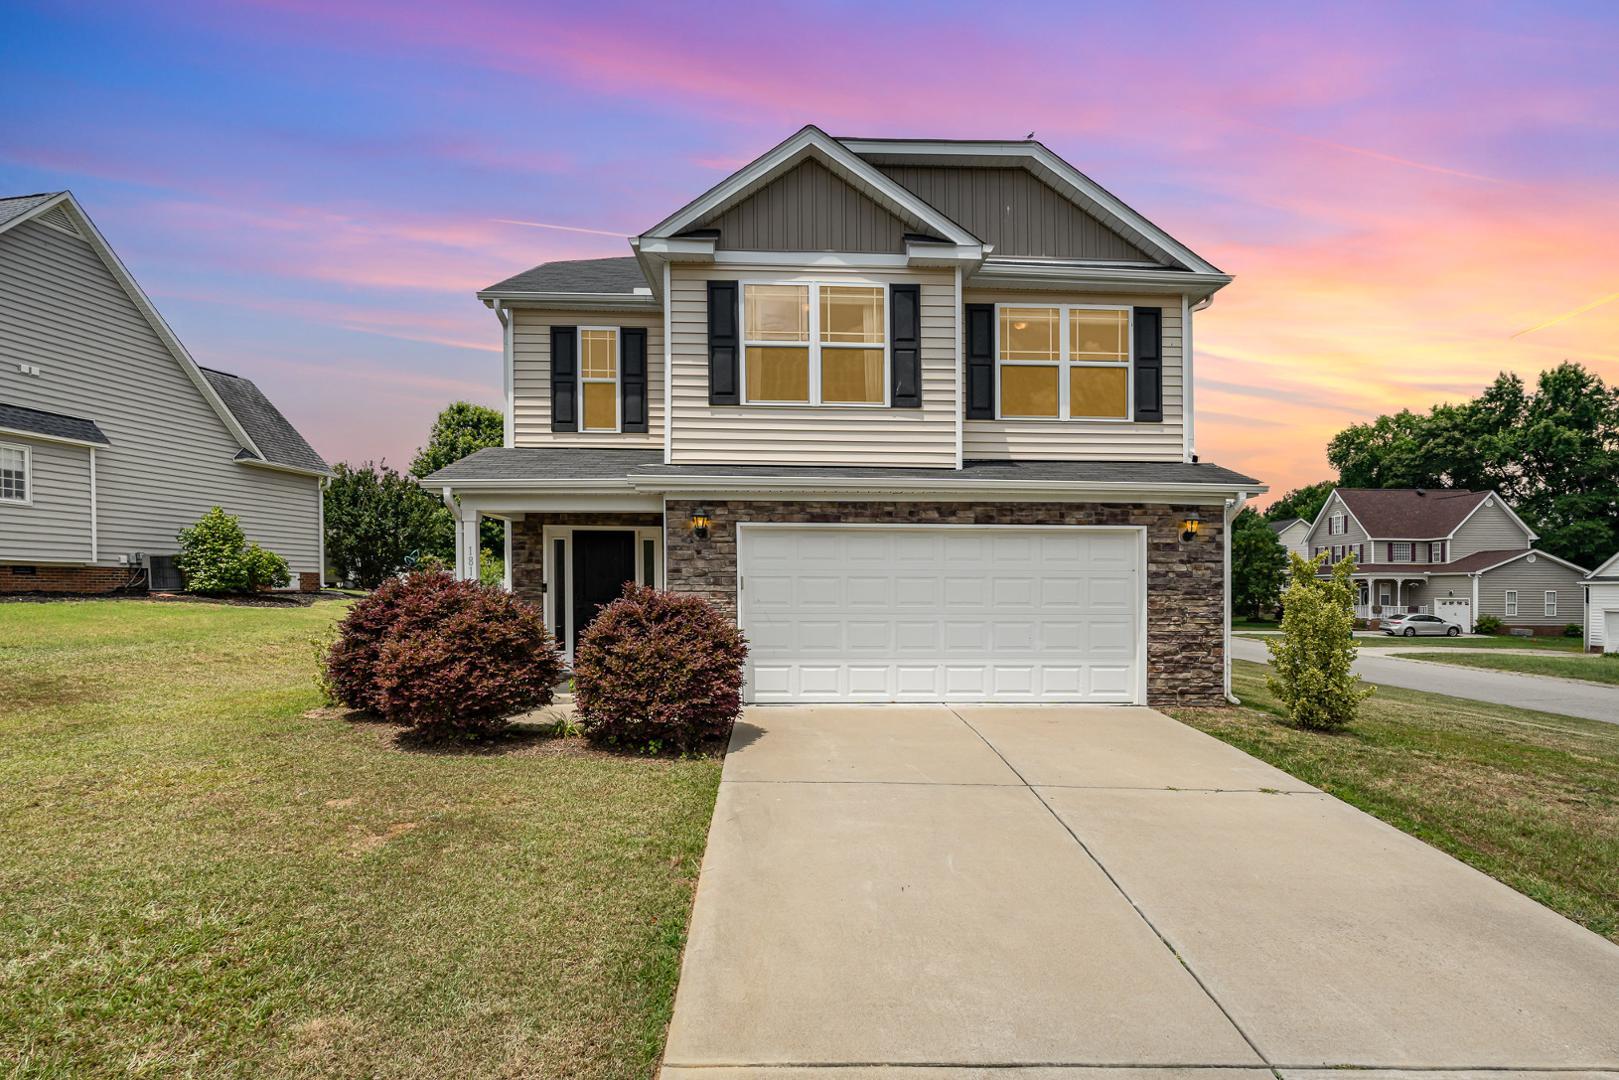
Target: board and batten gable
[(1089, 440), (171, 457), (809, 208), (531, 377), (1490, 528), (812, 435)]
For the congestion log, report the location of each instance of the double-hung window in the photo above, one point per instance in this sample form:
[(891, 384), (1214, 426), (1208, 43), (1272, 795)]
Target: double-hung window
[(814, 344), (1551, 602), (1512, 601), (1335, 524), (1064, 362), (14, 474), (598, 378), (1436, 551)]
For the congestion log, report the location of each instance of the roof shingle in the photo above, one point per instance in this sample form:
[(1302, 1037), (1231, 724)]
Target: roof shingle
[(15, 206), (617, 275), (271, 432), (1411, 513), (50, 425)]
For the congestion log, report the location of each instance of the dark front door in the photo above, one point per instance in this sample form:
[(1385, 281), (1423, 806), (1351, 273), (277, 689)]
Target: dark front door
[(602, 562)]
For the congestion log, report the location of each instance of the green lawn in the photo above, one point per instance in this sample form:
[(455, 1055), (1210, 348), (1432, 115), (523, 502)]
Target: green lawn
[(1526, 797), (1240, 622), (198, 879), (1497, 641), (1586, 668)]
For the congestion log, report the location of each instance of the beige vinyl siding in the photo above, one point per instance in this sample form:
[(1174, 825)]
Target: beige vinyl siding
[(171, 456), (1532, 580), (1089, 440), (1490, 528), (531, 378), (808, 208), (1016, 211), (1320, 537), (55, 525), (813, 435), (1603, 598)]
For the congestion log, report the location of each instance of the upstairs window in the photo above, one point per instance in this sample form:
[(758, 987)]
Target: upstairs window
[(598, 378), (1436, 551), (1335, 525), (14, 474), (1064, 362), (1400, 551), (815, 344)]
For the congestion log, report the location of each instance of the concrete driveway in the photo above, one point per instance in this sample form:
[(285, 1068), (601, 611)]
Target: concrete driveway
[(934, 892), (1565, 697)]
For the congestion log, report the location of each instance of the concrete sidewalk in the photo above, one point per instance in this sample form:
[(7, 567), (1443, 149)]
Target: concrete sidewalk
[(1565, 697), (1099, 892)]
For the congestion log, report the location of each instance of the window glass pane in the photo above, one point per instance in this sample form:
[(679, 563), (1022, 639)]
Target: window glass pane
[(1099, 335), (1030, 334), (601, 406), (1098, 392), (1029, 390), (13, 475), (598, 354), (852, 375), (649, 563), (776, 312), (852, 313), (777, 374)]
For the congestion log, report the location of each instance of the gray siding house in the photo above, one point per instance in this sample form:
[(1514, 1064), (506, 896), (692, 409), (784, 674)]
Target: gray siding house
[(1457, 554), (112, 439), (917, 414)]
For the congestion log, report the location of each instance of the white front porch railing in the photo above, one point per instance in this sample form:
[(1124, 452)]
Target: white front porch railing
[(1380, 611)]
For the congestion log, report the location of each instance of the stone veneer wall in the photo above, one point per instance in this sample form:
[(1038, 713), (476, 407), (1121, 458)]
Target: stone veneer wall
[(1185, 581), (528, 544)]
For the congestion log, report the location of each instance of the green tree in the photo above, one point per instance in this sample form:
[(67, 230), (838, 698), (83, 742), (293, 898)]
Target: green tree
[(460, 429), (1553, 453), (1258, 562), (1312, 659), (379, 522), (1302, 502)]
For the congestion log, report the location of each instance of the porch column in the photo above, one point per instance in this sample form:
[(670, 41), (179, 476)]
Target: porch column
[(474, 542), (1397, 583)]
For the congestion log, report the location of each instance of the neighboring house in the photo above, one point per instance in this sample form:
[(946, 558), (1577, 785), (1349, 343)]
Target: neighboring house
[(1293, 534), (1602, 607), (111, 438), (918, 414), (1457, 554)]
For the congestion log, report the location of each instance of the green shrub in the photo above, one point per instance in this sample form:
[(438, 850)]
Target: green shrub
[(1573, 629), (1312, 658), (1487, 624), (491, 570), (216, 558)]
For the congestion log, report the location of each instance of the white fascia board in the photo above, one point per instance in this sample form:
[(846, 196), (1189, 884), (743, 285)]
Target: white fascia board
[(536, 484), (679, 248), (988, 490), (513, 505), (1058, 173), (145, 306), (19, 433), (56, 200), (275, 466), (1341, 501), (1513, 514), (807, 142), (574, 301), (1031, 275), (1524, 555), (1602, 571)]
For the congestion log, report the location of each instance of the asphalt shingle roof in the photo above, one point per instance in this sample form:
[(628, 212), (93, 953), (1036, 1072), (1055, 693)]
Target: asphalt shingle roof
[(1284, 524), (617, 275), (1411, 513), (1467, 564), (275, 437), (50, 425), (15, 206), (545, 463)]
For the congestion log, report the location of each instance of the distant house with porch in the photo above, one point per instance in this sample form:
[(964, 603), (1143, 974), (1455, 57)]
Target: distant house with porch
[(1456, 554)]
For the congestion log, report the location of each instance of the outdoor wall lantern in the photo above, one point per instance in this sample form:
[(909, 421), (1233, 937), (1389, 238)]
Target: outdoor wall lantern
[(700, 523), (1189, 528)]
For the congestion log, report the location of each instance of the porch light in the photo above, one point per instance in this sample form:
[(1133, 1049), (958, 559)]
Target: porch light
[(1189, 528), (700, 523)]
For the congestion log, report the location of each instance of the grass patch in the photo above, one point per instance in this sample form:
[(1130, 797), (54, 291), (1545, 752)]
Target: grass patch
[(202, 878), (1586, 668), (1499, 641), (1529, 798), (1241, 623)]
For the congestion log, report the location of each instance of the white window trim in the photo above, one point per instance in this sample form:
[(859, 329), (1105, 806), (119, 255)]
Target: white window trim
[(815, 345), (1436, 551), (1511, 601), (1064, 363), (1335, 524), (618, 374), (1551, 602), (27, 475), (1394, 551)]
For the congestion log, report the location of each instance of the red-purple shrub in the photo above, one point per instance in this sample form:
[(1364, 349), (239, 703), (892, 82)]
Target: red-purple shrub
[(449, 657), (658, 671)]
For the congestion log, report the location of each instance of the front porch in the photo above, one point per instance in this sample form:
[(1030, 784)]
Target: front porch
[(1379, 596)]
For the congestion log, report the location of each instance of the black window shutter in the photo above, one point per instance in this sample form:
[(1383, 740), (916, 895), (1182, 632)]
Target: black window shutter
[(724, 344), (905, 345), (1149, 364), (564, 378), (632, 377), (980, 331)]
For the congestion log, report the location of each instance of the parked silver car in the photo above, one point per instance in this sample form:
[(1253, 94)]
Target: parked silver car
[(1416, 625)]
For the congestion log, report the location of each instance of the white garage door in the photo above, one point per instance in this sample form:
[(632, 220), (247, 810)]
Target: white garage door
[(941, 613)]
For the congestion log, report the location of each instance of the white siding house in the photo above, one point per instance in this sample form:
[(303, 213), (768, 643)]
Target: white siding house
[(1602, 607)]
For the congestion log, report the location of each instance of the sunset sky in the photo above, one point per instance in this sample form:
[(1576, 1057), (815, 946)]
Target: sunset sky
[(1412, 197)]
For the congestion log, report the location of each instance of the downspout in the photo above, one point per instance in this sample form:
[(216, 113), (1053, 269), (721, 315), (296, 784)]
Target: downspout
[(320, 517), (95, 539), (1232, 508)]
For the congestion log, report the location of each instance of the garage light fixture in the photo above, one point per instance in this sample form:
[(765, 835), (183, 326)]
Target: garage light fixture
[(1189, 528), (700, 522)]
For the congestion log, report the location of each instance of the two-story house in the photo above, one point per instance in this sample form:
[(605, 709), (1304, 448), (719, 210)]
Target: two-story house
[(917, 413), (1293, 534), (1456, 554), (112, 439)]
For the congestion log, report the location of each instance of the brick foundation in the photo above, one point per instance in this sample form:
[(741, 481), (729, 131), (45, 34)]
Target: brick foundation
[(68, 580), (308, 582)]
